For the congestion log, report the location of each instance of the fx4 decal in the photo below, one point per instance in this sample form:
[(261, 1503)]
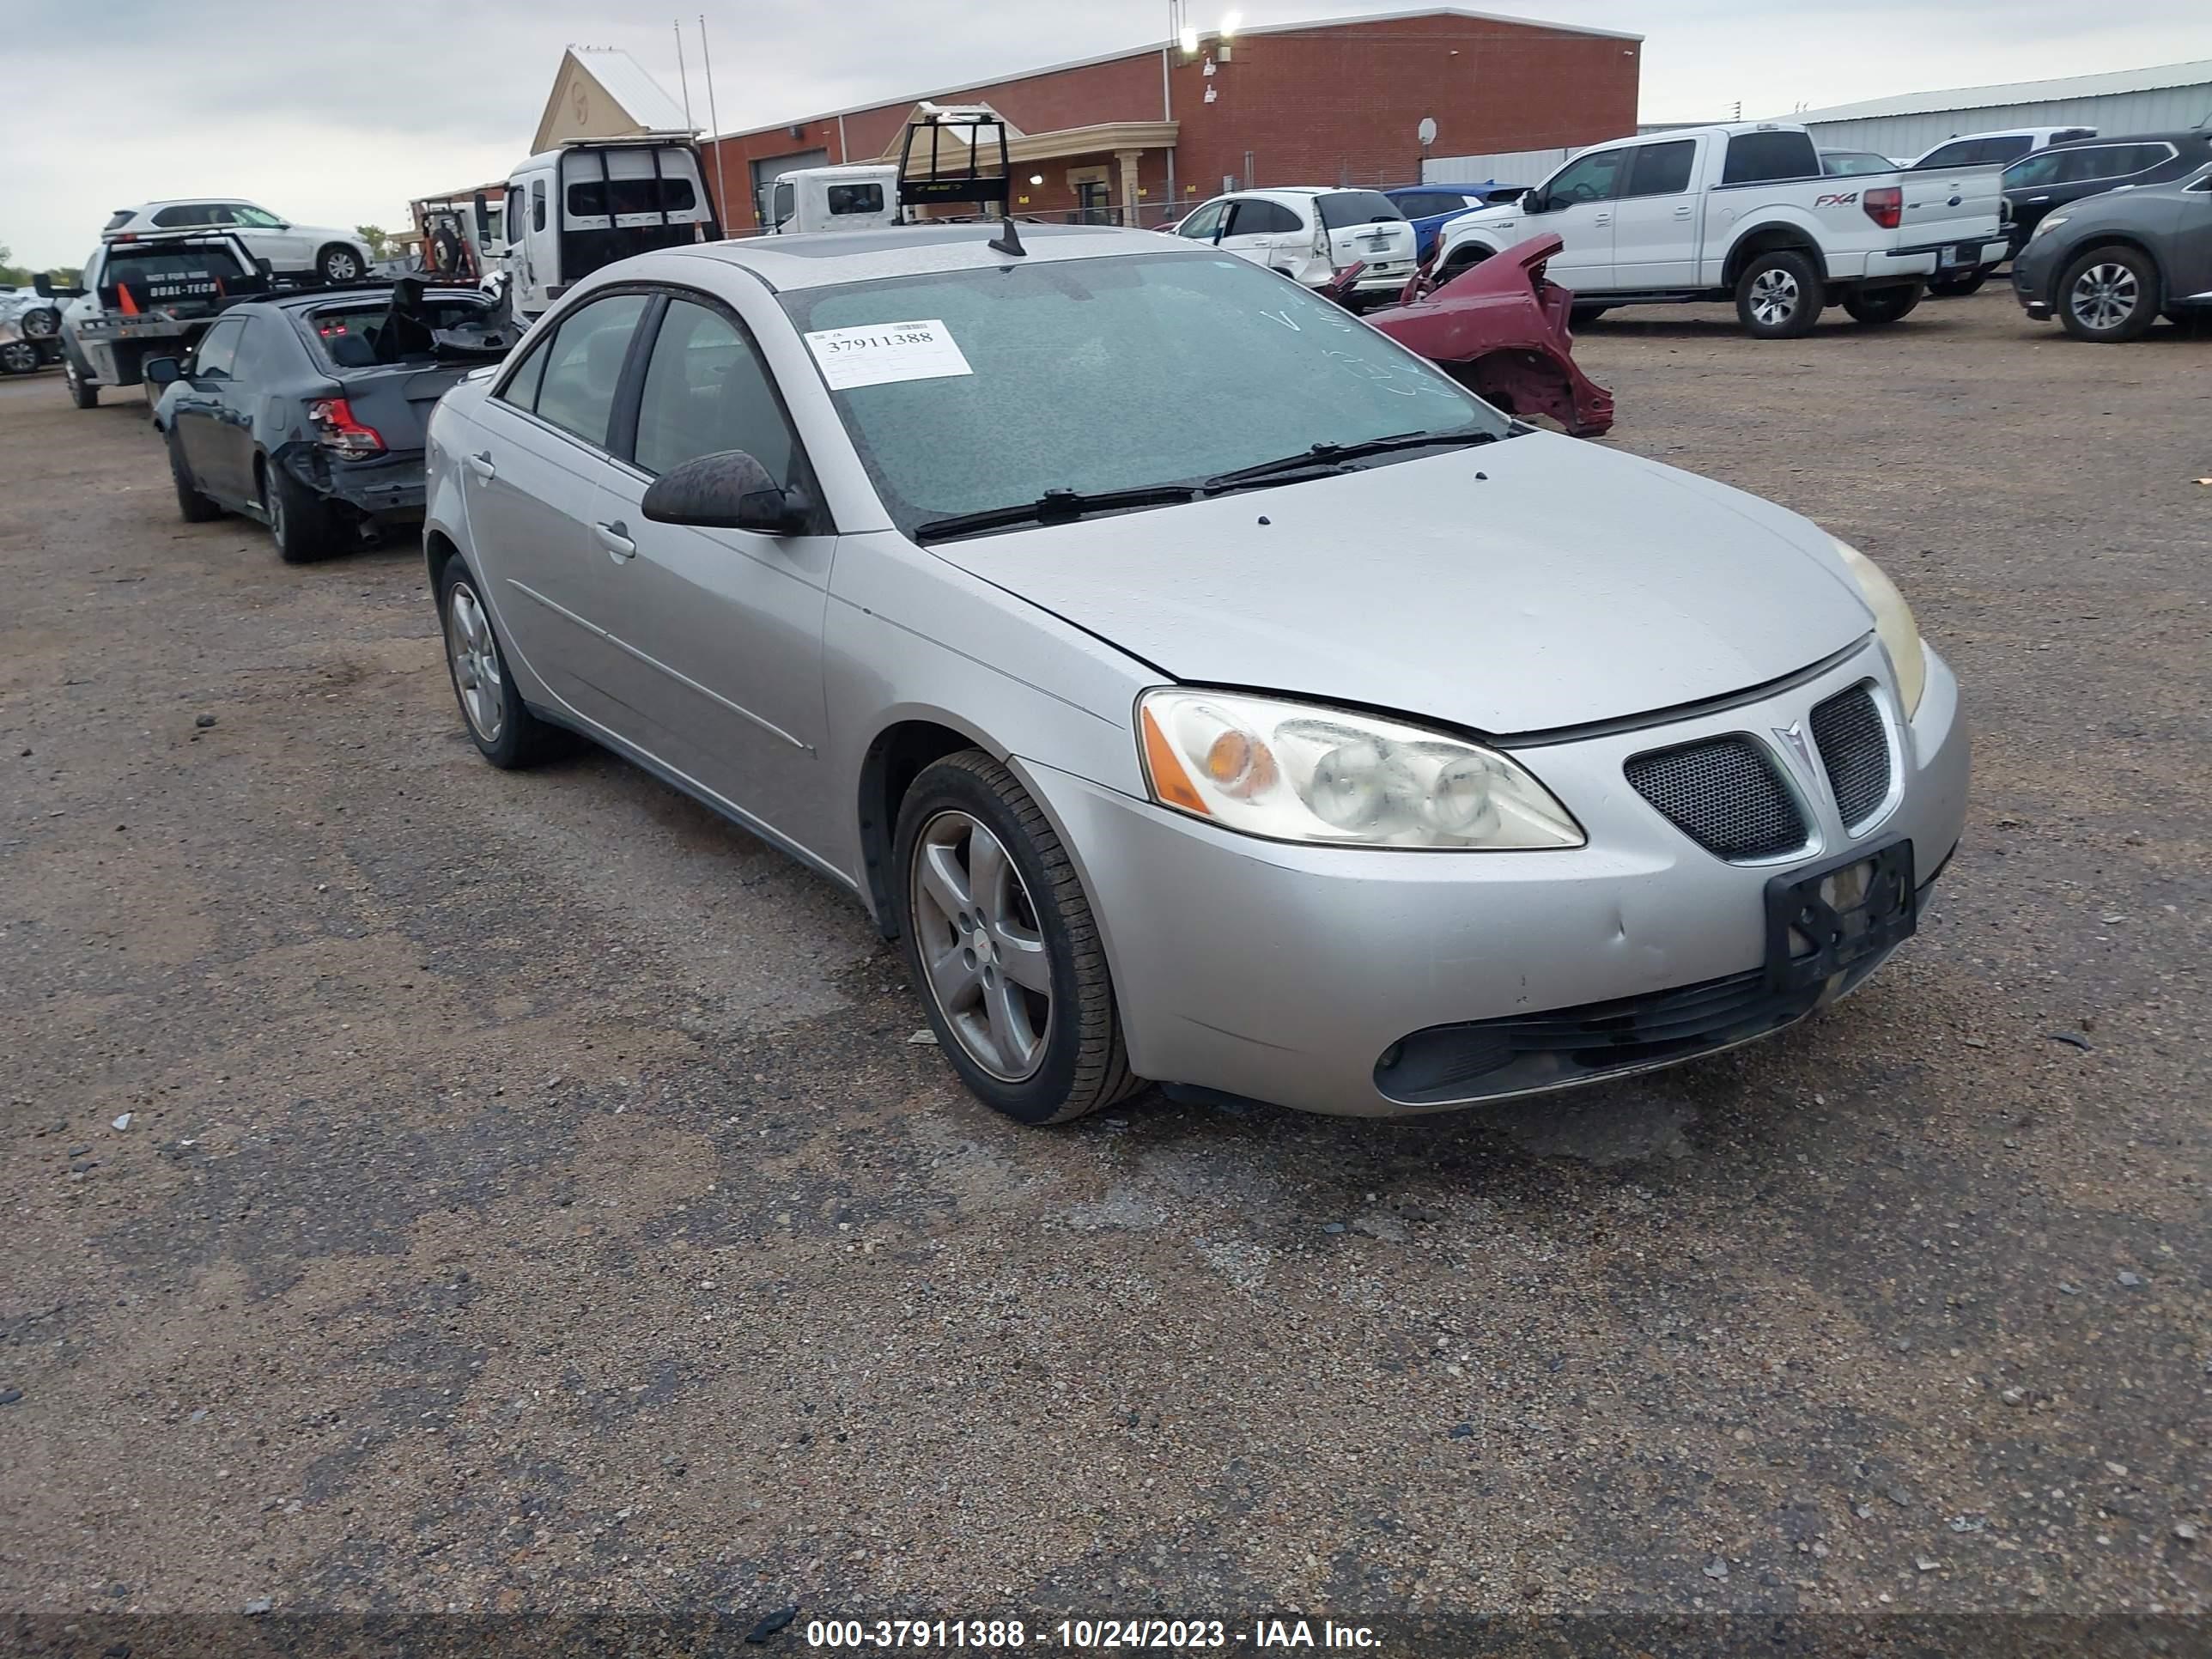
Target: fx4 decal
[(1836, 201)]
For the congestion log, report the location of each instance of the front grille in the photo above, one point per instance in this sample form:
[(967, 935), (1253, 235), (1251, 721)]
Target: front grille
[(1725, 794), (1485, 1058), (1848, 730)]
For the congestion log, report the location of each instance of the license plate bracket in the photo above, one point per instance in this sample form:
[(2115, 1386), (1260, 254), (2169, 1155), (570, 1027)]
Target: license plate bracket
[(1826, 920), (1962, 253)]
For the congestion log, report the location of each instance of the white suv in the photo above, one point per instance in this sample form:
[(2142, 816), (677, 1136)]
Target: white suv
[(1310, 233), (332, 256)]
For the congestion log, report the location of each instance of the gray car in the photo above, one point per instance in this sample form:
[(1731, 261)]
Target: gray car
[(1203, 689), (2107, 267)]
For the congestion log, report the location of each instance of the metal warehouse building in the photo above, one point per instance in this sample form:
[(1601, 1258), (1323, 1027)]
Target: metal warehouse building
[(2128, 101), (1136, 136)]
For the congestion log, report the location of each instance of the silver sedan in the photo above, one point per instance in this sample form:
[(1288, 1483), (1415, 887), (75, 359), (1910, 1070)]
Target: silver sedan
[(1202, 688)]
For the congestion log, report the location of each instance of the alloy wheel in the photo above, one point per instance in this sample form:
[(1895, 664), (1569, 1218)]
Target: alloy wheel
[(980, 947), (1774, 297), (475, 656), (2104, 296), (341, 267), (19, 357)]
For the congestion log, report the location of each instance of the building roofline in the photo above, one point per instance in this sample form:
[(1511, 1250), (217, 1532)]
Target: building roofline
[(2000, 95), (1151, 47)]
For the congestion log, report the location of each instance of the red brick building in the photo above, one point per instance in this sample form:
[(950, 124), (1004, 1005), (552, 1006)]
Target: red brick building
[(1141, 135)]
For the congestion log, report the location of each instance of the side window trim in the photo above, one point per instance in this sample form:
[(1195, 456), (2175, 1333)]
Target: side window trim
[(624, 387), (630, 385)]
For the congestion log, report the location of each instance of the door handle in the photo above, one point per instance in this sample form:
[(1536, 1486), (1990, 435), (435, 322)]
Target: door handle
[(1602, 219), (1682, 212), (482, 466), (615, 538)]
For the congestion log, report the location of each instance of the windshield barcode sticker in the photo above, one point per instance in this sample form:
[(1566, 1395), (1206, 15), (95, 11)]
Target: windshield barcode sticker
[(882, 352)]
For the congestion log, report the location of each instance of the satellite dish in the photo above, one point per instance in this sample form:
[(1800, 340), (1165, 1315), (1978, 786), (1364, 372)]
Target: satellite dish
[(1428, 130)]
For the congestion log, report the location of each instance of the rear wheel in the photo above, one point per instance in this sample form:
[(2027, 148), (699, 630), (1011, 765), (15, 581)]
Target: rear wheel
[(1957, 287), (339, 263), (2110, 295), (501, 727), (82, 392), (1876, 306), (195, 508), (300, 520), (1000, 941), (1778, 295)]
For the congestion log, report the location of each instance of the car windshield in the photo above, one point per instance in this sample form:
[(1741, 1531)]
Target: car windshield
[(254, 218), (1341, 208), (969, 390), (357, 335), (152, 261)]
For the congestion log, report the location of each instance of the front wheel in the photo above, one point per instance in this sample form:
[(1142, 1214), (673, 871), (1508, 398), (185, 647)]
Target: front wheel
[(999, 939), (18, 357), (2110, 295), (1778, 295), (338, 264), (1876, 306)]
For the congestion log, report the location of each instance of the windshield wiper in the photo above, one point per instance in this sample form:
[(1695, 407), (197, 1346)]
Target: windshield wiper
[(1327, 457), (1054, 506)]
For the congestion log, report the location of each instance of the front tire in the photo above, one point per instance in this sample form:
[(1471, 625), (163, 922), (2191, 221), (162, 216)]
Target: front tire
[(499, 723), (1874, 306), (1001, 942), (2110, 295), (193, 507), (1778, 295), (338, 265), (18, 357)]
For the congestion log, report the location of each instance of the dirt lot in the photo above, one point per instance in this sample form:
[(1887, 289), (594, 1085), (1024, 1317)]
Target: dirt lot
[(530, 1197)]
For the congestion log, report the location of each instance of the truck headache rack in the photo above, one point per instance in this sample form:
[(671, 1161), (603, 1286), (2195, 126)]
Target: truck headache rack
[(969, 184)]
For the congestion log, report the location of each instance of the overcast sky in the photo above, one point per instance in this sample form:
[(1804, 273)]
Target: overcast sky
[(111, 102)]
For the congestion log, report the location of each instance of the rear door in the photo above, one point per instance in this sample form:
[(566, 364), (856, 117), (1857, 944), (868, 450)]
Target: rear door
[(531, 484), (1578, 207), (1654, 227), (1266, 233), (201, 411), (721, 629)]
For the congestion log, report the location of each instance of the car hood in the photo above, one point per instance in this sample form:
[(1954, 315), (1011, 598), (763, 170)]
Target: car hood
[(1520, 586)]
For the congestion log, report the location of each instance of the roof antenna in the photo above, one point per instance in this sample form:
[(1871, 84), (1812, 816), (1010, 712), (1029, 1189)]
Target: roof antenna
[(1008, 240)]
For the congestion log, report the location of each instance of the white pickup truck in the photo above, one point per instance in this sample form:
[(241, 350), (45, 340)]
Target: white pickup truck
[(1742, 213)]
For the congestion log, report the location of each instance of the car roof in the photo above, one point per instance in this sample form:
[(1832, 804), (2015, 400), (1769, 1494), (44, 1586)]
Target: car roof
[(187, 201), (2199, 135), (827, 258)]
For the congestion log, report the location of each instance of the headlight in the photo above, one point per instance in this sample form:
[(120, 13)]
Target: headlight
[(2045, 225), (1892, 620), (1293, 771)]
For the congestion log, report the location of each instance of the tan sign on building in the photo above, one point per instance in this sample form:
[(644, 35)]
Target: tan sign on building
[(602, 91)]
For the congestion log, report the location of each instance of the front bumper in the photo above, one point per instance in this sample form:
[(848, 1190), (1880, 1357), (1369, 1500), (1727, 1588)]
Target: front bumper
[(1286, 972), (2031, 280)]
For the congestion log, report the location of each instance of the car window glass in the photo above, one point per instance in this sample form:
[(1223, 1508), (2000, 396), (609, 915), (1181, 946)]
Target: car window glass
[(1342, 208), (584, 363), (538, 205), (587, 197), (119, 218), (1200, 224), (160, 271), (1948, 155), (1588, 178), (1759, 157), (521, 387), (169, 218), (254, 218), (212, 358), (783, 201), (1113, 373), (1251, 218), (1662, 169), (2005, 149), (218, 213), (511, 216), (2140, 158), (705, 392), (2041, 169)]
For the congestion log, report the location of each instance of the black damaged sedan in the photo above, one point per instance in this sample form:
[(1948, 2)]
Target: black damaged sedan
[(307, 411)]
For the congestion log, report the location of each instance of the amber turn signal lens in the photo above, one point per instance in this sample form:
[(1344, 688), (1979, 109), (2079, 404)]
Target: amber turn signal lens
[(1170, 781)]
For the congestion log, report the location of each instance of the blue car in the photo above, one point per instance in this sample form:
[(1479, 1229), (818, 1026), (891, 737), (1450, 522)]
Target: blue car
[(1429, 205)]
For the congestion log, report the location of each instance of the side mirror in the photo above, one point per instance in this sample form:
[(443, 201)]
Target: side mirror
[(729, 490), (484, 217), (160, 371), (1534, 202)]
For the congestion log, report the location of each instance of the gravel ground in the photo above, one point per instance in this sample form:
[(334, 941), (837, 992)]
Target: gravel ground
[(427, 1187)]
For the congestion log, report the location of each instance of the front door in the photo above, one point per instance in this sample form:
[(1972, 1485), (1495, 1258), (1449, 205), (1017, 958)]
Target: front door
[(531, 477), (202, 412), (1578, 207), (1655, 222), (721, 628)]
